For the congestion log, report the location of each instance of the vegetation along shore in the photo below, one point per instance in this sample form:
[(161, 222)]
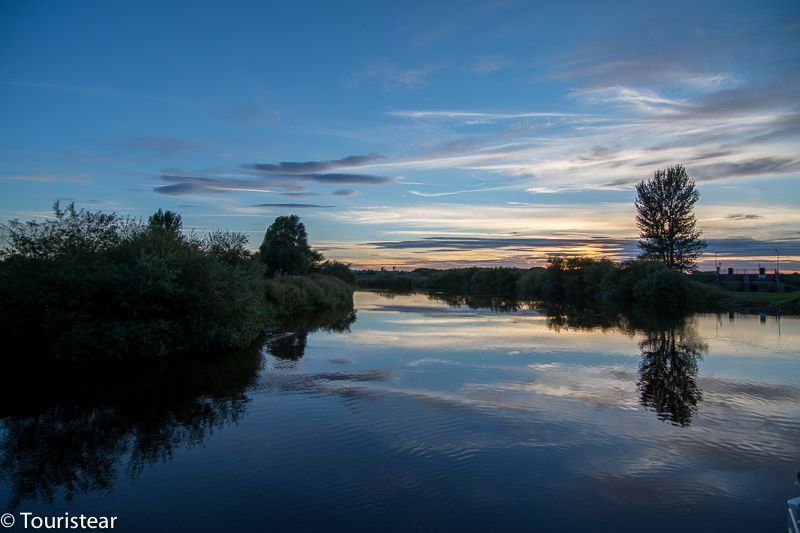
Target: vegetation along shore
[(92, 287)]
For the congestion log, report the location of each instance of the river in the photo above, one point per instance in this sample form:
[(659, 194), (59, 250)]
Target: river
[(420, 413)]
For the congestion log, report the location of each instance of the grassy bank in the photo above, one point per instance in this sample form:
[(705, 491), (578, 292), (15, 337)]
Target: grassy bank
[(787, 303)]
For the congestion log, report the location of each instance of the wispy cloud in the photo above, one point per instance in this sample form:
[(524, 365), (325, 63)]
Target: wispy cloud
[(642, 99), (480, 115), (453, 193), (75, 178), (486, 64), (394, 78)]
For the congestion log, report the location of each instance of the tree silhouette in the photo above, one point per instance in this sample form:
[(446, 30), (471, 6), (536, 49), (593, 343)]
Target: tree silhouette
[(665, 217), (168, 221), (285, 248), (668, 374)]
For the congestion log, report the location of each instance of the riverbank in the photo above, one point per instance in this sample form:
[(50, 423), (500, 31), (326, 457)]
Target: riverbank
[(786, 303), (588, 283), (88, 288)]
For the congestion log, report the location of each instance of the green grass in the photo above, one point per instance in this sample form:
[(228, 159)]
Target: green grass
[(786, 302)]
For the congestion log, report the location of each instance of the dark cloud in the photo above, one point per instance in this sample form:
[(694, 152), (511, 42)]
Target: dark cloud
[(299, 194), (475, 243), (600, 153), (611, 247), (305, 168), (743, 246), (743, 216), (620, 182), (349, 178), (344, 192), (295, 206), (179, 189), (286, 178), (752, 167)]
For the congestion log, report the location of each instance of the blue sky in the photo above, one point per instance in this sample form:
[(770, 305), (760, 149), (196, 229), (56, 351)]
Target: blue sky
[(436, 133)]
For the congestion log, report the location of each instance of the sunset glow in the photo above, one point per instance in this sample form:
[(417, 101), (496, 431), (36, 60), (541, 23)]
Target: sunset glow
[(497, 133)]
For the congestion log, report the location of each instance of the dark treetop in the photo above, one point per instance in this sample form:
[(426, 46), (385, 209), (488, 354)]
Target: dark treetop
[(665, 217)]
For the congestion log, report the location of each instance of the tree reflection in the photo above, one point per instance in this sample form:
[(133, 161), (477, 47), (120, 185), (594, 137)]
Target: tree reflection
[(289, 341), (500, 304), (670, 351), (73, 439), (668, 374)]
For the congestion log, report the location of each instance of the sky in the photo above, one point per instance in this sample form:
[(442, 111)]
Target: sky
[(432, 134)]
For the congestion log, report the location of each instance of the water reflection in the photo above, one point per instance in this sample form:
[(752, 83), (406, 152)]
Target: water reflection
[(670, 350), (72, 439), (500, 304), (289, 341), (668, 374)]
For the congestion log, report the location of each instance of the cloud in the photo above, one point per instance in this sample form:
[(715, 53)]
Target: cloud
[(76, 178), (763, 166), (292, 168), (180, 189), (641, 72), (33, 177), (347, 178), (344, 192), (518, 243), (393, 78), (480, 115), (453, 193), (295, 206), (630, 132), (641, 99), (743, 216), (485, 64), (286, 178)]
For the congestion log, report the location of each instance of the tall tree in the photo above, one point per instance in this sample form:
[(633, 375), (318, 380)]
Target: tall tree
[(665, 217), (285, 248)]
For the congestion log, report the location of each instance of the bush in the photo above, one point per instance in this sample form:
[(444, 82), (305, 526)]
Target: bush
[(529, 285), (338, 270), (91, 287), (669, 288), (292, 296)]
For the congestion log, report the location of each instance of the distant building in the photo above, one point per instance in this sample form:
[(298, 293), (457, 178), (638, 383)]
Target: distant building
[(749, 280)]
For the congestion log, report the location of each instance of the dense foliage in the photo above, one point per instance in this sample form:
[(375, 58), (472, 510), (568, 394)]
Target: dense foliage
[(665, 217), (96, 287), (575, 281), (285, 248)]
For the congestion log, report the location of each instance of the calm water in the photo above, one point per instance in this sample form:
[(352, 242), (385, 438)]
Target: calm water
[(424, 415)]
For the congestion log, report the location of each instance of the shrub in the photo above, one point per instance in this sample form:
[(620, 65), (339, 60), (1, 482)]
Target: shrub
[(92, 287), (338, 270)]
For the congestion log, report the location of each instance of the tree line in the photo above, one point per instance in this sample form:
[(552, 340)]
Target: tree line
[(95, 287)]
